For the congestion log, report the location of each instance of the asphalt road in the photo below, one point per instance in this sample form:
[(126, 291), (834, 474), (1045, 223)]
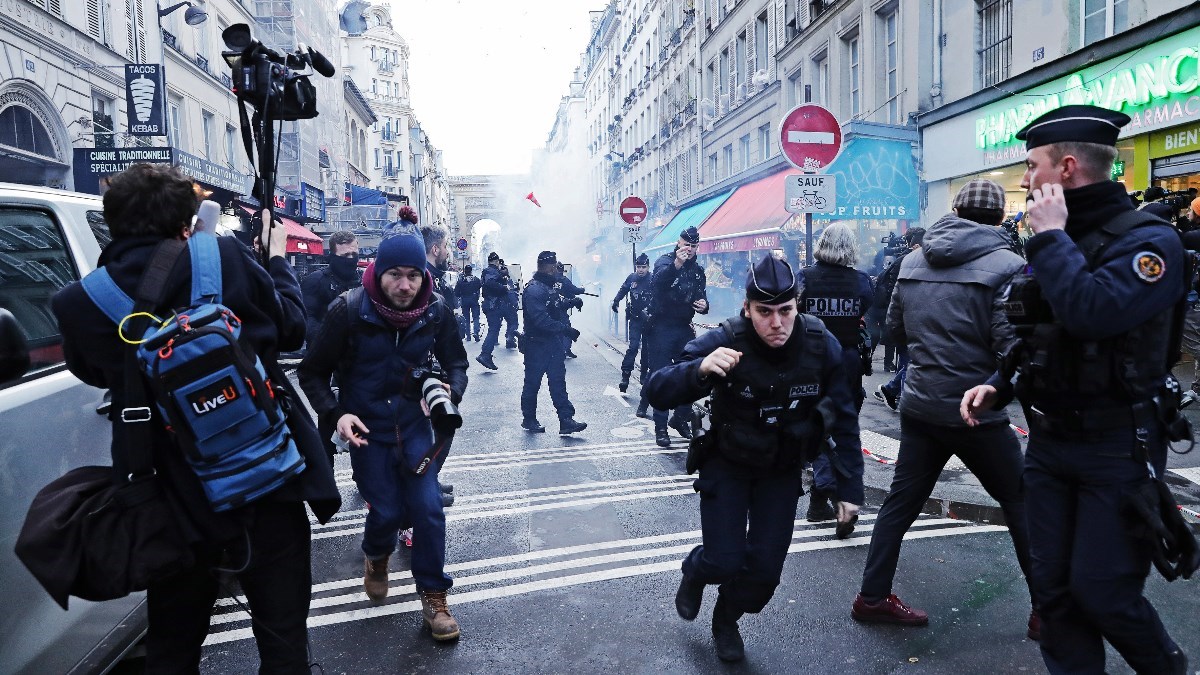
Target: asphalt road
[(565, 553)]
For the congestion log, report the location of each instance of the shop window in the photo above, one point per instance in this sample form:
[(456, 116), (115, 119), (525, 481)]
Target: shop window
[(1104, 18), (995, 40), (102, 121), (36, 265)]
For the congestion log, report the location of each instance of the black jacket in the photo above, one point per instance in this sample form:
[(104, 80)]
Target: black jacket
[(467, 289), (674, 290), (269, 305), (441, 287), (319, 289), (542, 319)]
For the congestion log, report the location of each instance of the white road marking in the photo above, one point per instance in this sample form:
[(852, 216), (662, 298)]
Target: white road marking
[(552, 583), (610, 390), (1192, 474)]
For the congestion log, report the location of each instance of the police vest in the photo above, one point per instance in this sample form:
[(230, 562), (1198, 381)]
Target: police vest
[(1055, 365), (639, 296), (831, 294), (764, 411)]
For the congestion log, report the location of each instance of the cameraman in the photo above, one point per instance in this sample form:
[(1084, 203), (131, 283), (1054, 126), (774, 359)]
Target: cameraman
[(396, 325), (145, 205), (545, 325)]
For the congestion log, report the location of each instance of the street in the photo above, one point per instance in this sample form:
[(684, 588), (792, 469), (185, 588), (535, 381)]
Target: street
[(566, 551)]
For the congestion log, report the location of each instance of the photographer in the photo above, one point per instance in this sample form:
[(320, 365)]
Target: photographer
[(396, 325), (545, 325), (144, 206), (498, 306)]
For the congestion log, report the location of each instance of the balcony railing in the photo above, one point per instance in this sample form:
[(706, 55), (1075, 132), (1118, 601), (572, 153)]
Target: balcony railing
[(169, 39), (201, 63)]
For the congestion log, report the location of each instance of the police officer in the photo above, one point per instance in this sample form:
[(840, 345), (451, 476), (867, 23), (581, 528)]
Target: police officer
[(496, 286), (545, 323), (509, 308), (1091, 368), (637, 287), (778, 388), (677, 294), (467, 289), (571, 292), (839, 295)]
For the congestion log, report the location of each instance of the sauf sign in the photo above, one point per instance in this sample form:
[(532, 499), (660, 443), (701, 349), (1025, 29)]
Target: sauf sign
[(145, 100)]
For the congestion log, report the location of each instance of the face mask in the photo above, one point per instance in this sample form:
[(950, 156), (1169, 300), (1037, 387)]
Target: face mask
[(343, 266)]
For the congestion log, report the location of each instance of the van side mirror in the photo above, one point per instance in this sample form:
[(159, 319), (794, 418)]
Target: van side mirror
[(14, 351)]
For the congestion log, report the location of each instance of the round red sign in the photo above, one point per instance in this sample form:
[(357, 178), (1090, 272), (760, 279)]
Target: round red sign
[(810, 137), (633, 210)]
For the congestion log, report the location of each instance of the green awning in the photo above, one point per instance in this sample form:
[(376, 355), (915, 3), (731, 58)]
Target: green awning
[(692, 216)]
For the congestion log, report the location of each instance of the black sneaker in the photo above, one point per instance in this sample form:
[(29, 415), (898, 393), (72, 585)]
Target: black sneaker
[(571, 354), (533, 425), (486, 361), (447, 499), (887, 398), (644, 412), (662, 438), (819, 508), (726, 636), (680, 426), (570, 427), (688, 598)]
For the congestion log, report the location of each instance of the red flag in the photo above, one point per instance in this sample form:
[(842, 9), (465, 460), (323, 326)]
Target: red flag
[(533, 199)]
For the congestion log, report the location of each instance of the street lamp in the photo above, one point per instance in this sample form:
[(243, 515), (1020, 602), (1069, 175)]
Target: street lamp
[(194, 16)]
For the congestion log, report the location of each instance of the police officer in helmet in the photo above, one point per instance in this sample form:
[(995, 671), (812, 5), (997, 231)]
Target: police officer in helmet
[(1094, 377), (779, 390)]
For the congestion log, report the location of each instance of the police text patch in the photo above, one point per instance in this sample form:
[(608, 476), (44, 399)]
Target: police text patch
[(1149, 266), (804, 390)]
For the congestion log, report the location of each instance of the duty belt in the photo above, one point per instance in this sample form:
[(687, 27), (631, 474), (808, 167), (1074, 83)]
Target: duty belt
[(1082, 420)]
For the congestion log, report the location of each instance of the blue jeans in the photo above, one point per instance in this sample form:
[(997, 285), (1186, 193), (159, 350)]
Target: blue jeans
[(398, 497), (1088, 571), (896, 385), (664, 342), (545, 357), (745, 560)]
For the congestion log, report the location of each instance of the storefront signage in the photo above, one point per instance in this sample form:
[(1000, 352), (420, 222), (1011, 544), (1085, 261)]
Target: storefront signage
[(1175, 141), (876, 180), (145, 100), (1155, 87), (312, 202), (213, 175), (747, 242), (92, 166)]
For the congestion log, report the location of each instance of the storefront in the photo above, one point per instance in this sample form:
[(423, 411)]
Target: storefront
[(1157, 85)]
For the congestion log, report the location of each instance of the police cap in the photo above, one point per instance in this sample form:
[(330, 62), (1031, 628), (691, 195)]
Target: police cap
[(493, 256), (642, 259), (1074, 124), (771, 281), (690, 235), (547, 257)]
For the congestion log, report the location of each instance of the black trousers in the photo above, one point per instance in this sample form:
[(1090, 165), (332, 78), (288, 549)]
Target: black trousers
[(277, 586), (991, 452)]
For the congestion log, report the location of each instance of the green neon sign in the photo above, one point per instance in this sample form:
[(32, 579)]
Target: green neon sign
[(1155, 90), (1118, 169)]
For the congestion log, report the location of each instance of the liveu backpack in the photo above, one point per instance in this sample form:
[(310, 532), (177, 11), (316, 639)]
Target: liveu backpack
[(212, 391)]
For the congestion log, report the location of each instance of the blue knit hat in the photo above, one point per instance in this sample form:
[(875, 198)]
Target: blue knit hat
[(402, 250)]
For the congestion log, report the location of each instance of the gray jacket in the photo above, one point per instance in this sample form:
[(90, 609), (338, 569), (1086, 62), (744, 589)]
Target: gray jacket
[(947, 308)]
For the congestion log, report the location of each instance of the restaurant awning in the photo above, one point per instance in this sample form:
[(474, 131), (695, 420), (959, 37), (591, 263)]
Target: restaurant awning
[(692, 216), (750, 220), (299, 238)]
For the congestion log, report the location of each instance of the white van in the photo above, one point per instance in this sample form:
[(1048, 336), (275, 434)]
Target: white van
[(49, 424)]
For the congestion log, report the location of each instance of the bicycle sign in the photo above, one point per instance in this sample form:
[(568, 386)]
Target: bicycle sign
[(810, 193)]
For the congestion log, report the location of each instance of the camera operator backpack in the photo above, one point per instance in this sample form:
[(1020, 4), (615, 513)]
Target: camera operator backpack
[(212, 391)]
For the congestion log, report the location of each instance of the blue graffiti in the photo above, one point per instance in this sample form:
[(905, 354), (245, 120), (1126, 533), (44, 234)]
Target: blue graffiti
[(876, 179)]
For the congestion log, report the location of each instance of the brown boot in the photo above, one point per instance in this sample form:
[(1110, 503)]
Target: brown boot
[(436, 613), (375, 580)]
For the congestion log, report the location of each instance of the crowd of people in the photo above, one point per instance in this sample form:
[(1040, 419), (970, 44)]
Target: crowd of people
[(1080, 332)]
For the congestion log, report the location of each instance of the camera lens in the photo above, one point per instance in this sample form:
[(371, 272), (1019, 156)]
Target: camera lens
[(442, 412)]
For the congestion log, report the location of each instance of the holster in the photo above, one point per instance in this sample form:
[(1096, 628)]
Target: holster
[(699, 449)]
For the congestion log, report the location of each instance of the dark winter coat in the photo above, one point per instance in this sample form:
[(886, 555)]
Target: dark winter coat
[(674, 290)]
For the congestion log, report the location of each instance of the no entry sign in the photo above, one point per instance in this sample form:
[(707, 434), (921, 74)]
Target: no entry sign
[(633, 210), (810, 137)]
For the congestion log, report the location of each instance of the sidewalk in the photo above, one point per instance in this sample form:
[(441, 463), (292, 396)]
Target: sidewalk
[(959, 493)]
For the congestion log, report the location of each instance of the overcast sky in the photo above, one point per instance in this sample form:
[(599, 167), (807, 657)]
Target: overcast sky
[(486, 76)]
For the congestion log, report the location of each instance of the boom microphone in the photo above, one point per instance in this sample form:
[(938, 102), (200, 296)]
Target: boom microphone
[(320, 63)]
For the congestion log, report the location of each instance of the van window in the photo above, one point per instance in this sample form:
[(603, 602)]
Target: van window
[(34, 264), (99, 227)]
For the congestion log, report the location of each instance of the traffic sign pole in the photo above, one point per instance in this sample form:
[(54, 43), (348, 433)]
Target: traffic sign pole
[(810, 138), (633, 211)]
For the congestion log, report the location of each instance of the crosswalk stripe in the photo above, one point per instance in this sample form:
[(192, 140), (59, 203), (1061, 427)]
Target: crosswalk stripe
[(362, 613)]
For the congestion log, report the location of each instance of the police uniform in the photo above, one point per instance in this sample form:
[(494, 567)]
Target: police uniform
[(673, 290), (496, 307), (1093, 359), (637, 287), (467, 289), (769, 414), (545, 325), (839, 296)]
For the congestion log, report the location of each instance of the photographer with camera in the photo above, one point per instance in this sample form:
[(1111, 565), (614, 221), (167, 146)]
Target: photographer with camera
[(147, 208), (498, 306), (380, 341), (545, 309)]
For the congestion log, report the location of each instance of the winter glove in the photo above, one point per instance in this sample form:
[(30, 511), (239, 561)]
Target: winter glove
[(615, 309)]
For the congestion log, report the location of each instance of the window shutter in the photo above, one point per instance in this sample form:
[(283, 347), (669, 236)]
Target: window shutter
[(93, 13), (141, 30), (751, 55), (130, 31), (802, 19), (775, 38)]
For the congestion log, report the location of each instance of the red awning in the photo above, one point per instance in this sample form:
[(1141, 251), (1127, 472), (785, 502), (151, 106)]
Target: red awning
[(749, 220), (300, 239)]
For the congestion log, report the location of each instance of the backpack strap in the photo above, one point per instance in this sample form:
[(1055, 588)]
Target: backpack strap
[(206, 267), (107, 295), (734, 328), (1094, 243)]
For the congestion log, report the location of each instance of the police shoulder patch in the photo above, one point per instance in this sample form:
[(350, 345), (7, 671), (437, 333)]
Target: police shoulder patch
[(1149, 266)]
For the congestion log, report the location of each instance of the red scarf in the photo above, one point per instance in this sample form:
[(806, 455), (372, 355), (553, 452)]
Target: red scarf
[(399, 319)]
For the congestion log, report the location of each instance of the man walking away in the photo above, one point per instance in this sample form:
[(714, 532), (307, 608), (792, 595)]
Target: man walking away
[(467, 289), (947, 310)]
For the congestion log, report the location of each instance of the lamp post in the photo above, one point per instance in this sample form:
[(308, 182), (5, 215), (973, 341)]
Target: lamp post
[(194, 16)]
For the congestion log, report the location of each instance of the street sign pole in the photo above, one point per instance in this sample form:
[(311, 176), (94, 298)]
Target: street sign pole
[(810, 138), (633, 211), (808, 261)]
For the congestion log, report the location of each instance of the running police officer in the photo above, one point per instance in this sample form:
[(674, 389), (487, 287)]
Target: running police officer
[(677, 294), (839, 295), (637, 287), (495, 299), (546, 323), (778, 391), (1092, 367)]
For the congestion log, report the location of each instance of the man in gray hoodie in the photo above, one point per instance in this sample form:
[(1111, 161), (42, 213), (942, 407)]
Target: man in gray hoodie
[(947, 308)]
